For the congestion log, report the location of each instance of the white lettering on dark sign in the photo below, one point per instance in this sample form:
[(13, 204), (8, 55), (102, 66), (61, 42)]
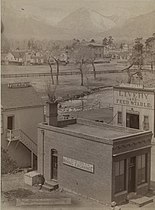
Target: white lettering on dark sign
[(78, 164), (133, 98)]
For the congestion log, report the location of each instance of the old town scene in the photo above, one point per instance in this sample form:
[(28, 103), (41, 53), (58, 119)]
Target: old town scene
[(78, 104)]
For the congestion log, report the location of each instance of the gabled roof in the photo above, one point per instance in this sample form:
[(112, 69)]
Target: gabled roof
[(19, 97), (17, 54)]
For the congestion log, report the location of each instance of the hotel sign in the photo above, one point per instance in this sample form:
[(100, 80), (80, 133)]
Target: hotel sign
[(134, 98), (78, 164)]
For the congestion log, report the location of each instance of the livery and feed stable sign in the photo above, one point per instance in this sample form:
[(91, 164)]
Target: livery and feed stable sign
[(134, 98), (78, 164)]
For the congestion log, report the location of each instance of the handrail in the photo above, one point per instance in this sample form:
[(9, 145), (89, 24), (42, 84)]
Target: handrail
[(28, 137), (19, 134)]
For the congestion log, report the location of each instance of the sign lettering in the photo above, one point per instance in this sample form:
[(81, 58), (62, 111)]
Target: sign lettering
[(78, 164), (134, 98)]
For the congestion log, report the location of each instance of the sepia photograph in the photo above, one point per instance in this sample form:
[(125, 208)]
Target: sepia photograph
[(77, 104)]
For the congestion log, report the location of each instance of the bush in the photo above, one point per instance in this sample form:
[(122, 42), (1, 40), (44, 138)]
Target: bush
[(7, 165)]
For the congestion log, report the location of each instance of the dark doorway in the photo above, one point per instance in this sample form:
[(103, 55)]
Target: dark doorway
[(10, 122), (132, 120), (132, 174), (54, 164), (34, 162)]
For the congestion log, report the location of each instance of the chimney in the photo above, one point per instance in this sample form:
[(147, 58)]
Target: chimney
[(51, 113)]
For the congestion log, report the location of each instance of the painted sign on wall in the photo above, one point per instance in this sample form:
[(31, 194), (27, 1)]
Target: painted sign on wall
[(136, 98), (78, 164)]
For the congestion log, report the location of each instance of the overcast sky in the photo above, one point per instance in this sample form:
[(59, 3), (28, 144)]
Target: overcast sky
[(55, 10)]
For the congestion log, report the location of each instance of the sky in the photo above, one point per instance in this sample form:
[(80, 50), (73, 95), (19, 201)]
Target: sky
[(54, 10)]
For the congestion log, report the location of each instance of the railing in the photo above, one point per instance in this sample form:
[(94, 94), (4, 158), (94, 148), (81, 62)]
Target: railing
[(12, 135), (20, 135)]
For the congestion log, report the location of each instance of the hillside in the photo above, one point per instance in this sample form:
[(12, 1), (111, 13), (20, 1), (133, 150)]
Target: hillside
[(19, 25), (140, 26), (84, 23)]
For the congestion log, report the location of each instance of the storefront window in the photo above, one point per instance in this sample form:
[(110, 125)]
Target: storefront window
[(142, 170), (119, 117), (120, 170)]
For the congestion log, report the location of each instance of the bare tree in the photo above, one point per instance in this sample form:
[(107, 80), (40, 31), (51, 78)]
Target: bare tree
[(81, 58), (91, 57), (136, 59), (51, 92), (54, 53), (150, 50)]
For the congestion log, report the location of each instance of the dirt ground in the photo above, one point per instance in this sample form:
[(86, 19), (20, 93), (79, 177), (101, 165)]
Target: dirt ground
[(13, 187)]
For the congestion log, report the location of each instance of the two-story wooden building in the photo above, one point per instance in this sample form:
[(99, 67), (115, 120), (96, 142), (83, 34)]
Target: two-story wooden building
[(134, 107), (21, 111)]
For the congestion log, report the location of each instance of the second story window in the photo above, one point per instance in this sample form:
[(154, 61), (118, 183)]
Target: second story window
[(119, 119), (10, 122), (146, 123)]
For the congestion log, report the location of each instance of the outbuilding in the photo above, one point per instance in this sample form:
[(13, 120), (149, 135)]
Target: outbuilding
[(93, 159)]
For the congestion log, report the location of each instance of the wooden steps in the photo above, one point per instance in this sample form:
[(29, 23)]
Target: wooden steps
[(141, 201), (50, 186)]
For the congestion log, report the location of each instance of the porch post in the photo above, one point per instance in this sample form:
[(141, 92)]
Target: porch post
[(31, 159)]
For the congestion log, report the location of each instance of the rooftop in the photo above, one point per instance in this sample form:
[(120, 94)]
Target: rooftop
[(99, 130), (18, 97), (135, 87), (94, 131), (98, 115)]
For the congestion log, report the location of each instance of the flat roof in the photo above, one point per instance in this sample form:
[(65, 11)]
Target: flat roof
[(100, 130), (102, 114), (147, 89), (19, 97)]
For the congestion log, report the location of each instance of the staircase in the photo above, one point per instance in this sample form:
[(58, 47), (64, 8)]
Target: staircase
[(21, 136), (28, 142)]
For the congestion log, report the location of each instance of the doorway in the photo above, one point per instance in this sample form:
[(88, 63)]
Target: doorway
[(131, 174), (54, 164), (10, 122), (132, 120)]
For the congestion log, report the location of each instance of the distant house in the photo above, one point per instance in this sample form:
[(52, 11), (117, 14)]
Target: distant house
[(7, 58), (19, 57), (97, 49), (63, 58), (27, 58), (4, 59), (37, 58), (22, 110)]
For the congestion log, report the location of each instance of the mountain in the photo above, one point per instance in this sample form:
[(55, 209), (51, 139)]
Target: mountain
[(140, 26), (84, 23), (20, 25)]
